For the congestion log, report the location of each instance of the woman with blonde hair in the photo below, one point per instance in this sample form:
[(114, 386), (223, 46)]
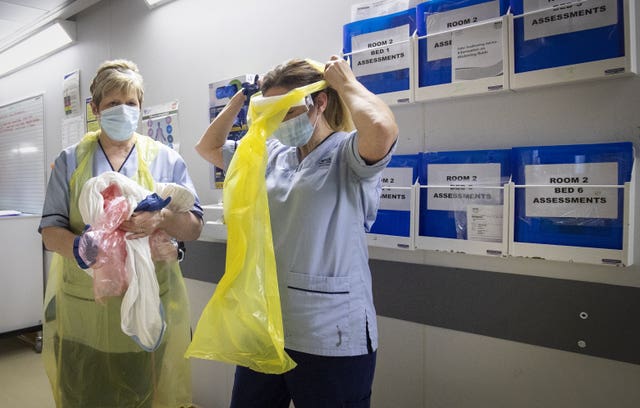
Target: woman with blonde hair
[(323, 184), (89, 360)]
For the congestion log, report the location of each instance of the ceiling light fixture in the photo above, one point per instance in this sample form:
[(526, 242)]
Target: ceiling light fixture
[(155, 3), (37, 46)]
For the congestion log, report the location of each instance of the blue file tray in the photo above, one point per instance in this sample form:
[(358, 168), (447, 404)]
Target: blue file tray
[(441, 24), (395, 222), (384, 61), (454, 183), (573, 202), (570, 42)]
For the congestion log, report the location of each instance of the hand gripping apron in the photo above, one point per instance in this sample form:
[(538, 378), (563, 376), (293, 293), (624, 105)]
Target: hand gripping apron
[(89, 360)]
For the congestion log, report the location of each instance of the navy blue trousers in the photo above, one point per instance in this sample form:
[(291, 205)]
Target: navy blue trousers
[(316, 382)]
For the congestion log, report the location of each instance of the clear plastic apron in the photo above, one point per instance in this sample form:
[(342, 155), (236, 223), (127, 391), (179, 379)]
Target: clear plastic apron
[(89, 360)]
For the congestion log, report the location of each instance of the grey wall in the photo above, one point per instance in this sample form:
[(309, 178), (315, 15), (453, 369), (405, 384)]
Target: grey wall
[(429, 356), (582, 317), (454, 337)]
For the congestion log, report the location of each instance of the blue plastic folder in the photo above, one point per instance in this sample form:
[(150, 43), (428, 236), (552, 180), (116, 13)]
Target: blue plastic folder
[(614, 161), (380, 50), (437, 69), (452, 222), (567, 35), (393, 222)]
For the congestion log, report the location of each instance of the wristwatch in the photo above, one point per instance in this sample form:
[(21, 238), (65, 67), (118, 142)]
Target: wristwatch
[(179, 245)]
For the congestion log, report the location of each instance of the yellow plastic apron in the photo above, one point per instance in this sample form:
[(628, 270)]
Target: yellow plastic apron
[(89, 360), (242, 323)]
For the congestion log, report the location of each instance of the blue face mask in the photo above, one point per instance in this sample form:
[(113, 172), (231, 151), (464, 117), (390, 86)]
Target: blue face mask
[(120, 121), (295, 132)]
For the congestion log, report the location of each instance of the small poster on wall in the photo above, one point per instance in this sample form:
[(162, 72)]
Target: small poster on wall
[(71, 94), (160, 122), (92, 120), (71, 130)]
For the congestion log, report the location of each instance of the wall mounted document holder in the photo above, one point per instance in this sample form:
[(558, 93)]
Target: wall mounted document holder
[(478, 62), (582, 254), (396, 228), (380, 51), (461, 48), (572, 41), (482, 229)]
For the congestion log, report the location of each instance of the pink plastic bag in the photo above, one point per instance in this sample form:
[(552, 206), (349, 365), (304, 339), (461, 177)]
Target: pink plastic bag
[(110, 276)]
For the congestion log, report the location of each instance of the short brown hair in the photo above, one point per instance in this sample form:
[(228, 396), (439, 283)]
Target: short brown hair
[(116, 74), (296, 73)]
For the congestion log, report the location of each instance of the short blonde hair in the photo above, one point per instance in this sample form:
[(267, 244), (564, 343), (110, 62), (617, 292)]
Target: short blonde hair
[(117, 74), (296, 73)]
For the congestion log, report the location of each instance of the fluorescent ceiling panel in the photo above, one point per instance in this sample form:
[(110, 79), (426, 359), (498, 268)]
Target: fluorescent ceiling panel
[(37, 46), (155, 3)]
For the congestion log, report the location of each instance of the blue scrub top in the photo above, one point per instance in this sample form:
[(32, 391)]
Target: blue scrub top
[(167, 167), (320, 210)]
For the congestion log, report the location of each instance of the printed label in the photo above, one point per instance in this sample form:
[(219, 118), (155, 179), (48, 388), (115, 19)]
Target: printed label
[(380, 51), (571, 197), (562, 17), (470, 184), (398, 199), (439, 46)]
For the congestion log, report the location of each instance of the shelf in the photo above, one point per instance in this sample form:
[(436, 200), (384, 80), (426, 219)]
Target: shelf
[(214, 229)]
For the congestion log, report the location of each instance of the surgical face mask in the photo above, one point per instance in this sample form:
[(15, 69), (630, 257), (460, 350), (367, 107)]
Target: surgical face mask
[(297, 131), (119, 122)]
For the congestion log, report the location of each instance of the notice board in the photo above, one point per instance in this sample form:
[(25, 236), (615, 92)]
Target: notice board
[(22, 167)]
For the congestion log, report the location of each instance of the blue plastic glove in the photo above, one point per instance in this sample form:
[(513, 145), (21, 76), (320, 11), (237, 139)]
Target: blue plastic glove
[(85, 248), (153, 202), (248, 89)]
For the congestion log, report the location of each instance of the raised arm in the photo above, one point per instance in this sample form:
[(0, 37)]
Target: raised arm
[(210, 144), (376, 125)]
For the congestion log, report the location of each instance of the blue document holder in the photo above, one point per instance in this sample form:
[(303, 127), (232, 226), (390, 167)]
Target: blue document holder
[(438, 71), (562, 49), (393, 80), (453, 223), (566, 230), (392, 222)]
